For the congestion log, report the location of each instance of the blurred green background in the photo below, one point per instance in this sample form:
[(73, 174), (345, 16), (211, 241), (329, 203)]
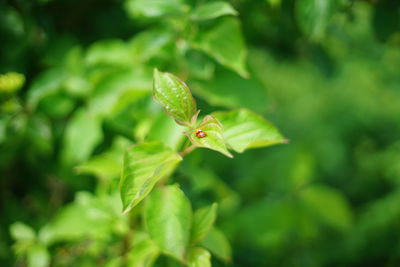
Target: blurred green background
[(75, 91)]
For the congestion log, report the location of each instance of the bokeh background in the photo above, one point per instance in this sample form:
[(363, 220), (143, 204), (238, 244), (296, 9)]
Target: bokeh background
[(75, 83)]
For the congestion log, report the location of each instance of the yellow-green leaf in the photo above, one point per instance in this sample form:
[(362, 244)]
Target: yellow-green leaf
[(203, 220), (199, 257), (168, 219), (214, 136), (244, 129), (144, 165)]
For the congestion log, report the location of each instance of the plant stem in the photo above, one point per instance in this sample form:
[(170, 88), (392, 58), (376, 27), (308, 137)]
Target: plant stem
[(187, 150)]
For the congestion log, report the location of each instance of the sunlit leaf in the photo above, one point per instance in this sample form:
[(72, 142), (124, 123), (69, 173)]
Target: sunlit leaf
[(217, 243), (155, 8), (244, 129), (22, 232), (199, 257), (11, 82), (144, 165), (224, 42), (174, 96), (213, 139), (168, 219), (213, 10), (38, 256), (203, 220)]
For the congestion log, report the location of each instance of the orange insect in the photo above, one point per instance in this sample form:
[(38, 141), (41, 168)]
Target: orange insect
[(200, 133)]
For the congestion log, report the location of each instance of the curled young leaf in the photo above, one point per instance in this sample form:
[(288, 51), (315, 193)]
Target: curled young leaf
[(174, 96), (208, 134)]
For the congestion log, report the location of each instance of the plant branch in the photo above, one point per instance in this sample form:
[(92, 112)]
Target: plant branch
[(187, 150)]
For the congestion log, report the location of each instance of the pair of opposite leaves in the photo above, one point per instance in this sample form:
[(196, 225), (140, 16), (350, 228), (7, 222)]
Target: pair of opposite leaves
[(176, 99)]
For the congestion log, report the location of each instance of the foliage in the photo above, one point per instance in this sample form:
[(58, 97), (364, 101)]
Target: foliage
[(102, 164)]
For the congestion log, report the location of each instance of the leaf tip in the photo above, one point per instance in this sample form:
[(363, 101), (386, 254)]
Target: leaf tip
[(228, 154)]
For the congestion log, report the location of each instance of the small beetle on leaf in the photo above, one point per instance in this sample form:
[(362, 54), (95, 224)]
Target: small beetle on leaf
[(200, 133)]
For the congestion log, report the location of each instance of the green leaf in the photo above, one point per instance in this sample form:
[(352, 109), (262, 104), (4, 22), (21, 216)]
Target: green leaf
[(107, 165), (155, 8), (144, 165), (224, 42), (217, 243), (329, 205), (82, 134), (168, 218), (199, 257), (244, 129), (213, 10), (203, 220), (313, 16), (149, 44), (144, 251), (113, 86), (88, 217), (46, 84), (214, 139), (11, 82), (109, 52), (165, 130), (104, 166), (174, 96), (22, 232), (274, 3), (38, 256)]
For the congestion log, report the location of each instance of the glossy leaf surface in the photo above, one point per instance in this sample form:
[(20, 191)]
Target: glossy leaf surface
[(174, 96)]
